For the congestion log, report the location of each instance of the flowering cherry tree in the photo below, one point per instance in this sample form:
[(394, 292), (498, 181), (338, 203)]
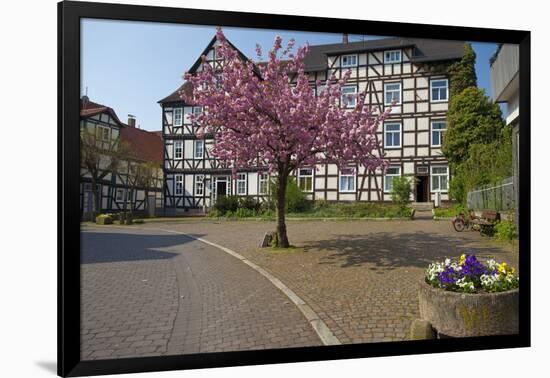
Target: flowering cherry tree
[(267, 115)]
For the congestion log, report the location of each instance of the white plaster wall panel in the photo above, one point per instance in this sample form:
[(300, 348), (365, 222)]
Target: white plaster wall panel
[(408, 108), (332, 183), (408, 139), (408, 168), (421, 107), (347, 196), (421, 82), (423, 151), (393, 153), (439, 106), (331, 196), (188, 149), (423, 123), (319, 183), (408, 95), (409, 152), (332, 169), (252, 183), (408, 83), (422, 95), (188, 185), (424, 137), (168, 115), (408, 124)]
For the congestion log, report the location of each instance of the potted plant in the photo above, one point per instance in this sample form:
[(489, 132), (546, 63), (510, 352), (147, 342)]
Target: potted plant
[(466, 297)]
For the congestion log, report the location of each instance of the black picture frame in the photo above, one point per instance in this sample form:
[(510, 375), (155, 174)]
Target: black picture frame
[(69, 16)]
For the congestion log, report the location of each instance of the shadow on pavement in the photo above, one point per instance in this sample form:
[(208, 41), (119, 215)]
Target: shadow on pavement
[(393, 250), (104, 247)]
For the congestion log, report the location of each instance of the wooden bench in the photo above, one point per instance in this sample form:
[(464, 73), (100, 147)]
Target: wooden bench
[(487, 221)]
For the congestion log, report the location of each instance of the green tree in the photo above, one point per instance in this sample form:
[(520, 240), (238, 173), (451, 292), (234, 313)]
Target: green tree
[(462, 74), (472, 119)]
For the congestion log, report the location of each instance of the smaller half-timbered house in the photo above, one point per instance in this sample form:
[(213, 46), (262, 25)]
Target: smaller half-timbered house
[(119, 187)]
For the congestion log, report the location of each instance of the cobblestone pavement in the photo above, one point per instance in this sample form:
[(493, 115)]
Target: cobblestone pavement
[(360, 277), (150, 293)]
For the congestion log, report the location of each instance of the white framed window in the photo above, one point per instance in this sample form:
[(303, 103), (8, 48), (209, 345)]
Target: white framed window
[(199, 185), (199, 149), (392, 135), (178, 185), (438, 129), (197, 110), (392, 56), (349, 96), (439, 178), (263, 183), (178, 149), (439, 90), (349, 60), (241, 183), (305, 179), (119, 197), (103, 133), (178, 116), (347, 180), (392, 91), (391, 172)]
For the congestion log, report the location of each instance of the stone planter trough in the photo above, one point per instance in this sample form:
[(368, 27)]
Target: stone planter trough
[(463, 315)]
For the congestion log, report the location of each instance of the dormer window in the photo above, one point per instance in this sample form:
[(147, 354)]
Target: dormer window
[(349, 60), (393, 56)]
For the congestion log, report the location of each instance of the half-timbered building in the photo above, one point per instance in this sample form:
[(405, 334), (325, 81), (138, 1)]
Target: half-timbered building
[(413, 72), (117, 188)]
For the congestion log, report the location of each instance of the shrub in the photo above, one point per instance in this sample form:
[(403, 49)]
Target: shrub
[(296, 200), (244, 213), (505, 231), (225, 204), (138, 221), (122, 217), (249, 203), (104, 219), (401, 191)]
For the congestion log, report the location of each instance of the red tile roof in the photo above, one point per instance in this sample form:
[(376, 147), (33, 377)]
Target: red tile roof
[(144, 145)]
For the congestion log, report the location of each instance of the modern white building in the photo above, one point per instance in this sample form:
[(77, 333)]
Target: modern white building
[(413, 71), (505, 89)]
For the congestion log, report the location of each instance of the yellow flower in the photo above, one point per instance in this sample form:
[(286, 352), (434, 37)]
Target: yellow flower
[(462, 259), (502, 268)]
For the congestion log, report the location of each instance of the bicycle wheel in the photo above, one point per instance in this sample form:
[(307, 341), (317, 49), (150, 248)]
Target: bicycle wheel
[(458, 225)]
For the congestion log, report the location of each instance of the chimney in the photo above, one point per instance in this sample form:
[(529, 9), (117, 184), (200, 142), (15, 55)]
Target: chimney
[(131, 120), (85, 100), (345, 38)]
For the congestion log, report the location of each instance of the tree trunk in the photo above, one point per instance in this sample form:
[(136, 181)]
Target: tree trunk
[(281, 200), (95, 200)]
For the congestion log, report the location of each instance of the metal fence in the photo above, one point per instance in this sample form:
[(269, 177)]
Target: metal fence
[(499, 197)]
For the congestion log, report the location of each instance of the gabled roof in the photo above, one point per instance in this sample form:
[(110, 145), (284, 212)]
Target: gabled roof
[(175, 96), (424, 50), (89, 109), (144, 145)]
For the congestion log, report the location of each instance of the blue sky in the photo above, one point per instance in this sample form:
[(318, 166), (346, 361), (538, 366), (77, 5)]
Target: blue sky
[(129, 66)]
